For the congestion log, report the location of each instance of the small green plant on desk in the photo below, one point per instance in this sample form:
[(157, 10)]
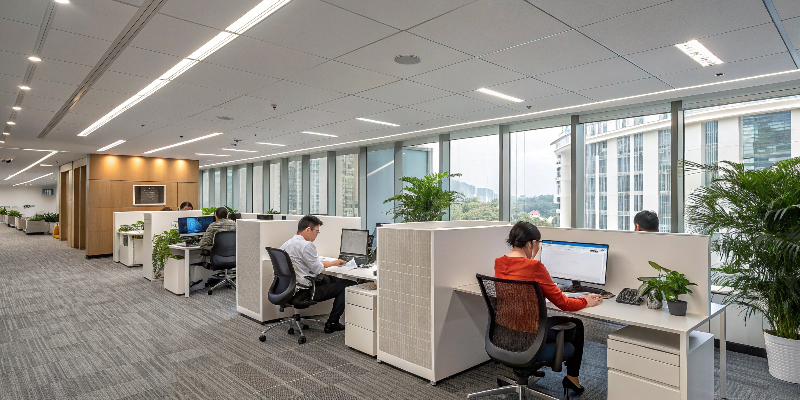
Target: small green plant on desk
[(668, 285), (162, 252), (210, 210), (138, 226)]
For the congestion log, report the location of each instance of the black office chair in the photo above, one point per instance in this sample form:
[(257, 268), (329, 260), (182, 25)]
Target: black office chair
[(222, 257), (517, 335), (282, 293)]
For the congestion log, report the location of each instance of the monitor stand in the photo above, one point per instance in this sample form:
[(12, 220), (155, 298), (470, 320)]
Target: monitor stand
[(577, 287)]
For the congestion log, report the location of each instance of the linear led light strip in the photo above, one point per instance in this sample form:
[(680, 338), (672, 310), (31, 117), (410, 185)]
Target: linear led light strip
[(699, 53), (43, 176), (462, 124), (115, 144), (32, 165), (183, 142), (240, 26)]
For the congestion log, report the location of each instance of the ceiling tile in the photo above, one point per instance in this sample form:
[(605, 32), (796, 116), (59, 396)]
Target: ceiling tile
[(64, 72), (467, 76), (209, 125), (290, 139), (355, 106), (596, 74), (315, 27), (240, 118), (379, 56), (156, 104), (404, 93), (100, 19), (525, 89), (401, 14), (487, 113), (41, 103), (578, 13), (145, 63), (29, 11), (312, 117), (10, 84), (342, 78), (52, 89), (12, 64), (631, 88), (745, 43), (676, 21), (290, 96), (253, 134), (263, 58), (787, 8), (351, 126), (78, 119), (223, 78), (792, 27), (548, 55), (212, 13), (732, 70), (18, 37), (403, 116), (85, 108), (486, 26), (179, 92), (74, 48), (103, 97), (551, 102), (452, 105), (122, 83), (8, 99), (283, 124), (183, 37), (255, 105)]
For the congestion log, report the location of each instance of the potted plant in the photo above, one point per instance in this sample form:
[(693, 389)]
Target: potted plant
[(162, 252), (423, 199), (210, 210), (13, 217), (36, 224), (3, 214), (668, 285), (754, 217), (52, 221)]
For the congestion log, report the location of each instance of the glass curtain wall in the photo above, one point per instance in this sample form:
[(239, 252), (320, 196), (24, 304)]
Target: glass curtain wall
[(295, 187), (229, 189), (380, 186), (347, 185), (319, 185), (477, 159), (535, 176), (624, 170), (275, 187), (421, 160)]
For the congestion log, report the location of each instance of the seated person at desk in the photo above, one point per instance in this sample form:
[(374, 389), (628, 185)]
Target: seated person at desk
[(646, 221), (186, 206), (519, 264), (303, 252), (221, 224)]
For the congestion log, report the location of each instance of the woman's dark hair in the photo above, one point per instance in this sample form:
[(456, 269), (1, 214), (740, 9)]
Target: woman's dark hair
[(523, 233), (186, 204)]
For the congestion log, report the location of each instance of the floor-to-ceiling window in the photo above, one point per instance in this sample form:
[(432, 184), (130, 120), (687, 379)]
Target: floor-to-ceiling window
[(590, 182), (664, 180), (229, 189), (347, 185), (295, 187), (766, 139), (710, 148), (602, 185), (477, 159), (275, 187), (420, 160), (319, 185), (535, 176), (624, 183), (638, 173), (380, 186)]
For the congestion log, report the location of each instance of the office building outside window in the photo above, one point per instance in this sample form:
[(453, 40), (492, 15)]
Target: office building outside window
[(380, 186), (535, 174), (638, 173), (318, 169), (275, 187), (710, 148), (766, 139), (477, 159), (590, 186), (295, 187), (664, 180), (347, 185), (624, 183), (602, 185), (229, 188)]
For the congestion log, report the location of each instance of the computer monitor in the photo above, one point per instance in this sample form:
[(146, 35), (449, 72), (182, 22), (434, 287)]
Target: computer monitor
[(354, 241), (194, 226), (234, 216), (265, 217), (578, 262)]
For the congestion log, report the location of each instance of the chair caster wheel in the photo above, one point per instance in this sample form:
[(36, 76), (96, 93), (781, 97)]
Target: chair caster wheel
[(291, 331), (262, 338), (209, 292), (305, 326), (301, 340)]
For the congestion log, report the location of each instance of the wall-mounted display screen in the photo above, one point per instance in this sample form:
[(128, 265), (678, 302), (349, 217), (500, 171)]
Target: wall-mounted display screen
[(149, 195), (48, 192)]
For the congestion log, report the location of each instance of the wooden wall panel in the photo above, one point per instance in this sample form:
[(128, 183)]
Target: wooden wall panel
[(158, 170), (189, 192), (63, 212)]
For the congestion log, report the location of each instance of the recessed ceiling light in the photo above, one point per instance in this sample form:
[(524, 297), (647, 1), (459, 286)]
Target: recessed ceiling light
[(34, 59), (407, 59), (271, 144), (43, 176), (6, 133), (32, 165), (215, 155), (11, 123), (17, 108), (23, 87), (117, 143), (699, 53), (376, 122), (257, 14), (500, 95), (243, 151), (45, 165), (183, 142), (319, 134), (62, 1)]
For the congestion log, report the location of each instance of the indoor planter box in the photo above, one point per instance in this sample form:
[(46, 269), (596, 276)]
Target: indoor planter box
[(51, 226), (19, 223), (783, 357), (33, 227)]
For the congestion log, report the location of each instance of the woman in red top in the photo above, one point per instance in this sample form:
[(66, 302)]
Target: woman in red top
[(519, 264)]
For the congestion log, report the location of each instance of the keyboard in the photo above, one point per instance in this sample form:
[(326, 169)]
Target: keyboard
[(584, 289)]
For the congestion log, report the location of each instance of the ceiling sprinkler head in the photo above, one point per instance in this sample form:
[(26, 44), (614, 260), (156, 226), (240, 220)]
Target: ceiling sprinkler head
[(407, 59)]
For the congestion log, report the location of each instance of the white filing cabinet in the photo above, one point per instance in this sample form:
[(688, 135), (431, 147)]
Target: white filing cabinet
[(645, 363), (361, 316)]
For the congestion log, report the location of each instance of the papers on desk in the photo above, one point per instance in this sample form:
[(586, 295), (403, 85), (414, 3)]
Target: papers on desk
[(327, 259)]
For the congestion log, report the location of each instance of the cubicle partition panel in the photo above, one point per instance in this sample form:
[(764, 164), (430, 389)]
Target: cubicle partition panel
[(423, 326), (123, 218), (156, 223), (629, 253)]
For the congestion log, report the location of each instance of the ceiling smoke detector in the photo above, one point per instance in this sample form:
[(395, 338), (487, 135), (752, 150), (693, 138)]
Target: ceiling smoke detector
[(224, 118), (407, 59)]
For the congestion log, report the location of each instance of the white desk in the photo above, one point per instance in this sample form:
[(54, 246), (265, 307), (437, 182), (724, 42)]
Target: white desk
[(654, 319), (352, 273), (187, 255)]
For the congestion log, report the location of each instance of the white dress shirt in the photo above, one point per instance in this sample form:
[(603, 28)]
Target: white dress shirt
[(304, 259)]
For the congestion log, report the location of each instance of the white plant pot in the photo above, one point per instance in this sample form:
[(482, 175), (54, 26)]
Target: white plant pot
[(783, 357)]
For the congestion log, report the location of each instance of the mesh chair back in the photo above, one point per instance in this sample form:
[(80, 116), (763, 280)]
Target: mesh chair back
[(517, 326), (223, 252), (285, 281)]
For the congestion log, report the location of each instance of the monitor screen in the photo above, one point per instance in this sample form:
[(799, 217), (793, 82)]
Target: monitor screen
[(354, 241), (584, 262), (194, 225)]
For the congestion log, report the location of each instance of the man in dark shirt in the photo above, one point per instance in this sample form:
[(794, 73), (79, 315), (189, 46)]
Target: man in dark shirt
[(221, 224)]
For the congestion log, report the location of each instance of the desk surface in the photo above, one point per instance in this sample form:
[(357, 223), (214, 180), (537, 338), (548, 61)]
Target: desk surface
[(137, 233), (182, 247), (354, 273), (631, 315)]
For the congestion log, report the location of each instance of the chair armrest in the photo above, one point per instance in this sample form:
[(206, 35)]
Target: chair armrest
[(558, 360), (563, 327)]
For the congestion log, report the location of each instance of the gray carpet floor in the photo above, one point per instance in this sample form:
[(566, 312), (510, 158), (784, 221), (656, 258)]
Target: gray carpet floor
[(72, 328)]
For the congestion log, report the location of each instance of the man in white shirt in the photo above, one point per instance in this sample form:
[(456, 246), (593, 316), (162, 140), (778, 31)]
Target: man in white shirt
[(303, 252)]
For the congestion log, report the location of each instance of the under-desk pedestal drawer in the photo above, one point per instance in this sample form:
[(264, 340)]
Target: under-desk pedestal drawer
[(622, 386), (361, 339)]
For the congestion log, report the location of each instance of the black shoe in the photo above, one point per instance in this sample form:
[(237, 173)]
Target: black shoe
[(568, 385), (331, 327)]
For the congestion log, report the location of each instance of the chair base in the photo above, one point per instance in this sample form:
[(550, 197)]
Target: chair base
[(228, 279), (294, 322), (508, 386)]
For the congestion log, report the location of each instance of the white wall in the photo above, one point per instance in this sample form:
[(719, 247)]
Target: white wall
[(14, 197)]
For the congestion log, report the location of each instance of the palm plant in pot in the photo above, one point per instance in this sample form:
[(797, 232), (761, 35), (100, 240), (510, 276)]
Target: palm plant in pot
[(668, 285), (754, 217), (424, 199)]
